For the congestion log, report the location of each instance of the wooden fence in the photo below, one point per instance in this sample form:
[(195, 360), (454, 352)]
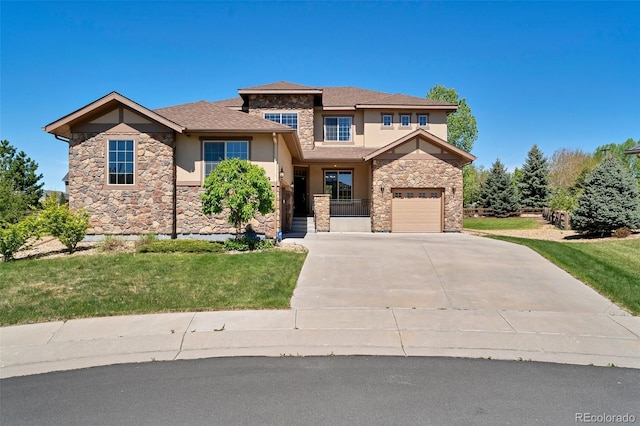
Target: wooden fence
[(559, 218)]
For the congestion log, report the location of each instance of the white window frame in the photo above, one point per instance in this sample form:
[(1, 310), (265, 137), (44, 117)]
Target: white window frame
[(408, 122), (390, 120), (338, 118), (280, 114), (426, 116), (214, 164)]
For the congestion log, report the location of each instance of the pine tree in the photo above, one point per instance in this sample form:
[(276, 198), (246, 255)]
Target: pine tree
[(499, 194), (534, 183), (610, 200), (19, 173)]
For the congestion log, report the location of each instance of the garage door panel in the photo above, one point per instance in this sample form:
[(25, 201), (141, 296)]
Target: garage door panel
[(411, 214)]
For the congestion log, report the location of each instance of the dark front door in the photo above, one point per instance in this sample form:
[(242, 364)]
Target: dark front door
[(300, 193)]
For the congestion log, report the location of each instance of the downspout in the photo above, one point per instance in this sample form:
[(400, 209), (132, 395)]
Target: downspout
[(277, 179), (174, 207)]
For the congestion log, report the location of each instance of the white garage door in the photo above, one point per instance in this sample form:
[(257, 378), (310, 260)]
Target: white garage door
[(416, 210)]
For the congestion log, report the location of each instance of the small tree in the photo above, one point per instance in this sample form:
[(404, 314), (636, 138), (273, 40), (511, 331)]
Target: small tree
[(609, 201), (534, 182), (19, 172), (68, 227), (241, 188), (18, 236), (499, 194)]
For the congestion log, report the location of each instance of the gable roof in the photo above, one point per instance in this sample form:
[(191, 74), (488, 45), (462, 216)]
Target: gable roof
[(208, 116), (341, 97), (62, 126), (431, 138)]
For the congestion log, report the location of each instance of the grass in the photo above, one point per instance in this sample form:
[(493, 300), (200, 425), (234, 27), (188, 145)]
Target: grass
[(611, 267), (492, 223), (38, 290)]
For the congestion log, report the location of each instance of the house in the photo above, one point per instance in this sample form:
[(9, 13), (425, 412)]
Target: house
[(352, 158)]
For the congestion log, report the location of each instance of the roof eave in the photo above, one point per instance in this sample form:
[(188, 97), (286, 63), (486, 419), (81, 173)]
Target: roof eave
[(66, 121), (407, 106), (280, 92)]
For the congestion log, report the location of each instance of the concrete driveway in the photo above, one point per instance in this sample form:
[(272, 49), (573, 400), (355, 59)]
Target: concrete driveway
[(436, 271)]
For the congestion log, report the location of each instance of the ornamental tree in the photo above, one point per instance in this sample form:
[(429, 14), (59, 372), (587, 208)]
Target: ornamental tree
[(499, 194), (610, 200), (534, 182), (239, 187)]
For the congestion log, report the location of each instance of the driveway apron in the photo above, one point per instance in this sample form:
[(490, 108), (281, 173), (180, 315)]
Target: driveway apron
[(436, 271)]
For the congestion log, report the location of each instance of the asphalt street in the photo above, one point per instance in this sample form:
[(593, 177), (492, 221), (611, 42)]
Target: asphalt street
[(324, 391)]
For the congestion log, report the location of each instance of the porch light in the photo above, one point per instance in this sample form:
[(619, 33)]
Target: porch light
[(281, 173), (382, 189)]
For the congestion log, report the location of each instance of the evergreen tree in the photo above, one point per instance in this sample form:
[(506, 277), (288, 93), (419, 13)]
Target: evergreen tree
[(534, 182), (18, 172), (498, 193), (610, 200)]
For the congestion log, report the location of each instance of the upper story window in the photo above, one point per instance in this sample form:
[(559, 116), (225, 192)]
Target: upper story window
[(405, 120), (423, 120), (337, 129), (287, 118), (387, 120), (216, 151), (121, 163)]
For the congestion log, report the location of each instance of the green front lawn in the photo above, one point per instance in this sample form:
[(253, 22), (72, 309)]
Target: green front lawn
[(492, 223), (610, 267), (61, 288)]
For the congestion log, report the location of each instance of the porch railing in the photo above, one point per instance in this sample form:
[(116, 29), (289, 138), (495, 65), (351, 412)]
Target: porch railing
[(356, 207)]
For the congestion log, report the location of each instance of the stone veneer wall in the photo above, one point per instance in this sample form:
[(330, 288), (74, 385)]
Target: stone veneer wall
[(146, 207), (416, 174), (303, 104), (191, 220), (321, 212)]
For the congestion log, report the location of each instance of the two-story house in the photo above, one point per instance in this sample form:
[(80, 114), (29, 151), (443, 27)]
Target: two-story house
[(354, 159)]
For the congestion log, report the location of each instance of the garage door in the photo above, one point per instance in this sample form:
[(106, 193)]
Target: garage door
[(416, 210)]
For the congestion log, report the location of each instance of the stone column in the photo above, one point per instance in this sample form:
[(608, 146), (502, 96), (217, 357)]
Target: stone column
[(321, 212)]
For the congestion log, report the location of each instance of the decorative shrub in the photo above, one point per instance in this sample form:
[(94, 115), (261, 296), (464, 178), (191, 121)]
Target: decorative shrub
[(18, 236), (68, 227), (182, 246), (623, 232), (247, 244), (112, 243), (145, 239)]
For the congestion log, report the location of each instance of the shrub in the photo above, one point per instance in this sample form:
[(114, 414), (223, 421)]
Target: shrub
[(145, 239), (112, 243), (563, 199), (182, 246), (609, 201), (247, 244), (623, 232), (18, 236), (68, 227)]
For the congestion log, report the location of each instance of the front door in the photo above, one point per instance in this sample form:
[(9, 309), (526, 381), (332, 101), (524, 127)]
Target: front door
[(300, 193)]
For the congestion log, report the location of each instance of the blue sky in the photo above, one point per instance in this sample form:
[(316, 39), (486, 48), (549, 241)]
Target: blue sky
[(551, 73)]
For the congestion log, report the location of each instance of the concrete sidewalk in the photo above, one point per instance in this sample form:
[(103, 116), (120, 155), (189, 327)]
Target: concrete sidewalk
[(400, 295), (512, 335)]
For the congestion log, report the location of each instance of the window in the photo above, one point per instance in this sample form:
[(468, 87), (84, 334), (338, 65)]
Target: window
[(121, 162), (216, 151), (422, 195), (387, 120), (337, 129), (423, 120), (405, 120), (338, 183), (287, 118), (409, 194), (397, 195)]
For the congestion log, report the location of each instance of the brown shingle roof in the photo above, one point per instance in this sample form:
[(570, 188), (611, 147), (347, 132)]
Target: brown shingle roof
[(205, 115), (352, 96), (281, 85), (233, 102), (337, 153)]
